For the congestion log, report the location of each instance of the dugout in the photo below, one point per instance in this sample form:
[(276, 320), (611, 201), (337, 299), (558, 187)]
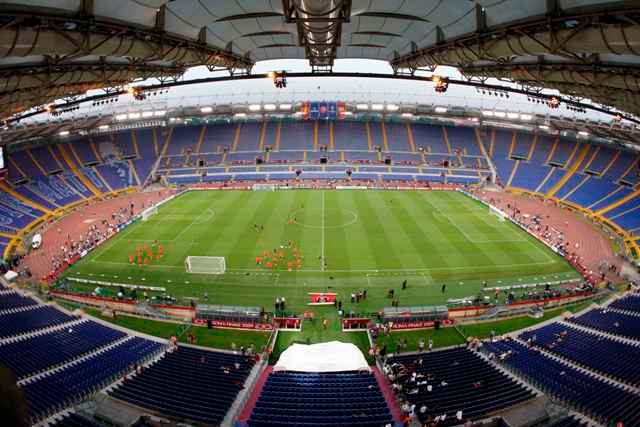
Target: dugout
[(425, 313), (229, 313)]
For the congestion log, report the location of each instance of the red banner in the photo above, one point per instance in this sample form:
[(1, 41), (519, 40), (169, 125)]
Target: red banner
[(234, 325), (420, 324), (322, 298)]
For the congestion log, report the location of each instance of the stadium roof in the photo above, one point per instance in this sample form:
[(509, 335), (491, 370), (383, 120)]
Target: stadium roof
[(51, 50)]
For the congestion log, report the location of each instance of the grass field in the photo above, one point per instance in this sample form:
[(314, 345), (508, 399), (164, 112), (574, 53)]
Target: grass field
[(348, 241)]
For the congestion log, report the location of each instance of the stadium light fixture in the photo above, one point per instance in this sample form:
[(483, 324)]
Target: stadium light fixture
[(441, 110), (206, 110), (500, 114), (362, 107), (526, 117), (255, 107), (64, 133), (299, 113), (441, 83), (377, 107), (347, 113), (121, 117), (513, 115), (285, 107), (103, 127), (160, 113), (487, 113), (240, 115), (269, 107), (583, 133), (544, 127), (393, 107), (134, 116), (146, 114), (407, 115)]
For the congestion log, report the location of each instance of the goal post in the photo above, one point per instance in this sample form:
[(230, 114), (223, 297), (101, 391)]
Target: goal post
[(498, 213), (205, 264), (149, 212)]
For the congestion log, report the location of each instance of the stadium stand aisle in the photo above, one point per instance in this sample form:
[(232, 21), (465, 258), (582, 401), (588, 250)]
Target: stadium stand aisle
[(630, 302), (613, 322), (603, 401), (188, 383), (457, 383), (31, 318), (589, 350), (320, 399), (53, 392), (10, 299), (37, 353)]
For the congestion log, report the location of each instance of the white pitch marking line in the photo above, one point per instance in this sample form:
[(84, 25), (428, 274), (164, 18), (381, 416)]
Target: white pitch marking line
[(322, 239)]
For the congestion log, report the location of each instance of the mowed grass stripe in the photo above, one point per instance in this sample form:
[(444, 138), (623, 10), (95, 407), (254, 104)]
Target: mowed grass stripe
[(337, 251), (375, 233), (363, 252), (499, 252), (416, 237), (456, 248)]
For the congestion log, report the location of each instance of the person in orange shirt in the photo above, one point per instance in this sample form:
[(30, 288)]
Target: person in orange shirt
[(258, 260), (132, 259), (269, 264)]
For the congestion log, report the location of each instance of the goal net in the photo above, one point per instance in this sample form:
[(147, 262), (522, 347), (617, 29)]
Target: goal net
[(497, 212), (263, 187), (149, 212), (205, 264)]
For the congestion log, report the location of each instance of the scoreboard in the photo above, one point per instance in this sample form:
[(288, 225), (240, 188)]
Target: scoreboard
[(321, 110)]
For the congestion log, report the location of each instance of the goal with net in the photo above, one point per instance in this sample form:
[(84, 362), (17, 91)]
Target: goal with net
[(149, 212), (497, 212), (205, 264), (264, 187)]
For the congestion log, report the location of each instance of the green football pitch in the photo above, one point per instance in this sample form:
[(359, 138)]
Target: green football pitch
[(347, 241)]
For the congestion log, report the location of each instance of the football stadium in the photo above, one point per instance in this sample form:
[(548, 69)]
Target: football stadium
[(320, 213)]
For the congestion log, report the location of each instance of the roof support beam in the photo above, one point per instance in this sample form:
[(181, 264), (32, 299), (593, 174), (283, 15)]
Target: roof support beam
[(573, 50), (319, 24), (82, 39), (25, 86)]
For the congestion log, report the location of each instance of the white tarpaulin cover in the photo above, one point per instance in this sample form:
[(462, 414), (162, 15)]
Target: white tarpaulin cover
[(331, 356)]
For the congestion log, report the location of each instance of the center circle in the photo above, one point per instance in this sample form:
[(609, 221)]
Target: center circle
[(333, 218)]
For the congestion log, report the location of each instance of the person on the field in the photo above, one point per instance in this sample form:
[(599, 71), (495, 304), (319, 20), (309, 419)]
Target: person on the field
[(444, 288), (404, 284)]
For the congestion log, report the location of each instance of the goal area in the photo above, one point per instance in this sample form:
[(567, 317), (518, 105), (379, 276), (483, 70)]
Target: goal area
[(205, 264)]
